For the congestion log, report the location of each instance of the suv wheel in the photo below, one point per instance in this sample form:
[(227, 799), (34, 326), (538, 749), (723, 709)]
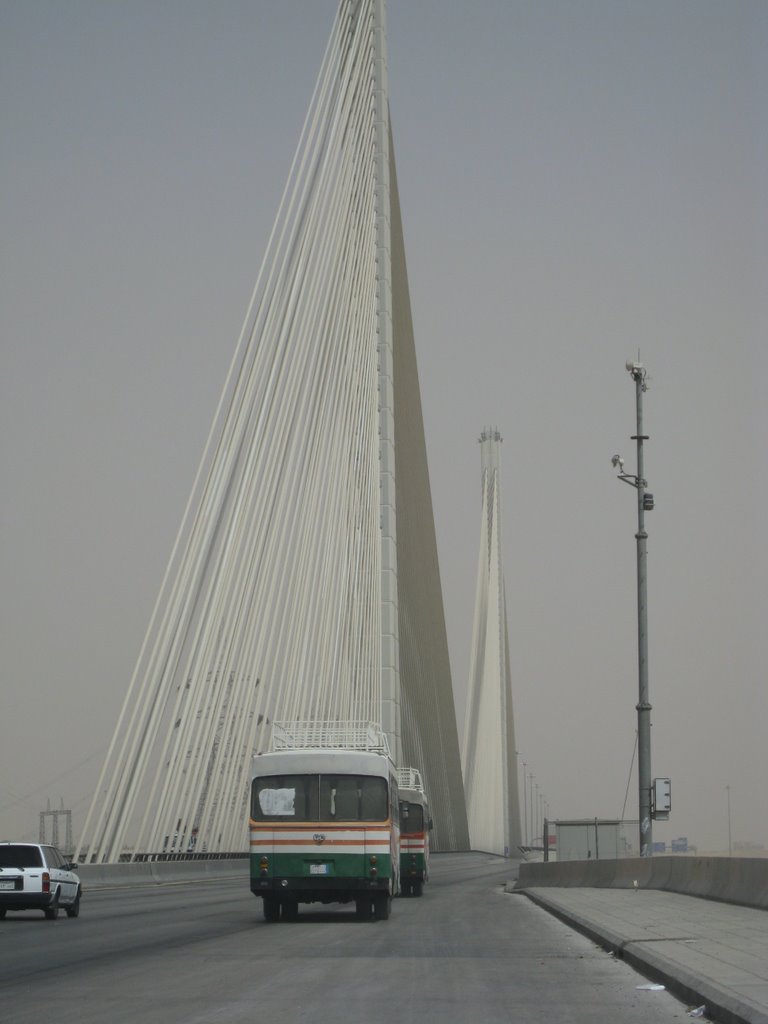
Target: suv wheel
[(74, 910), (52, 912)]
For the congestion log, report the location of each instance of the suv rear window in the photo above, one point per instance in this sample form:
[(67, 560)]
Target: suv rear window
[(17, 855)]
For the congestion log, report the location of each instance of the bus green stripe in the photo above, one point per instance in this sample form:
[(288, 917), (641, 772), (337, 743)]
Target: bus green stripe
[(340, 865)]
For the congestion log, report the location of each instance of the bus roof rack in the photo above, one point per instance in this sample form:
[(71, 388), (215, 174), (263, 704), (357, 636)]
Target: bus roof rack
[(410, 778), (309, 735)]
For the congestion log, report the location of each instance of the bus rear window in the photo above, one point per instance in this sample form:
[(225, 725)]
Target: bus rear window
[(285, 798), (353, 798), (319, 798), (411, 817)]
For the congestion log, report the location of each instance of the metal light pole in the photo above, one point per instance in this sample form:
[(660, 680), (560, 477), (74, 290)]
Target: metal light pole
[(530, 804), (541, 816), (730, 847), (644, 504), (525, 805)]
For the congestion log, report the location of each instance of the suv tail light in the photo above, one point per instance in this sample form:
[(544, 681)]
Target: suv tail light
[(46, 882)]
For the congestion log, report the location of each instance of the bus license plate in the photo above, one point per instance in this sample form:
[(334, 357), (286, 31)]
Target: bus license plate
[(318, 869)]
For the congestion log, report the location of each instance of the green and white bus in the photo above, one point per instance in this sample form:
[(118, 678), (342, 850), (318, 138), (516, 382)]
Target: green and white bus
[(324, 822), (415, 826)]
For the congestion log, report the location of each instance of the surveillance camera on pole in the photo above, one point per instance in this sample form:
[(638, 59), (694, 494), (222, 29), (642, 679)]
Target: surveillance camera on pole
[(644, 504)]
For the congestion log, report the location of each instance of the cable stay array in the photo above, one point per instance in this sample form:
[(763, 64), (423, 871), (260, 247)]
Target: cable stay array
[(273, 603)]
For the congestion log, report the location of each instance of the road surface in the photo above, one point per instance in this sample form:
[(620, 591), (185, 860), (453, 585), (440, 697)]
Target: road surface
[(465, 953)]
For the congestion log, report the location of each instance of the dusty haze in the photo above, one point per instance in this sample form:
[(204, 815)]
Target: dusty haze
[(579, 180)]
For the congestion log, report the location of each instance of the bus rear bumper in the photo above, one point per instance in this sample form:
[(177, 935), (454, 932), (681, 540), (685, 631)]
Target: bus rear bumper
[(318, 890)]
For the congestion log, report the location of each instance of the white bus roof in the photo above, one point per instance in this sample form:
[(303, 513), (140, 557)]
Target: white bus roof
[(309, 761), (413, 796)]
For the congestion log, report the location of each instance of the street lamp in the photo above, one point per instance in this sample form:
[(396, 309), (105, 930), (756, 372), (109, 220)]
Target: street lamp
[(644, 504)]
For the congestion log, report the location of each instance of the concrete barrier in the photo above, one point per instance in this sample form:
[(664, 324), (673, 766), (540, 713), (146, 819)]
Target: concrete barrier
[(107, 876), (742, 880), (159, 872)]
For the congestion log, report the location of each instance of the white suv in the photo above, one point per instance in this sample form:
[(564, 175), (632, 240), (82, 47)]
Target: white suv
[(37, 877)]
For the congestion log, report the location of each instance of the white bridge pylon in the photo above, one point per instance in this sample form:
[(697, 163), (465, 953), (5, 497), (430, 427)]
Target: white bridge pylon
[(488, 753), (282, 598)]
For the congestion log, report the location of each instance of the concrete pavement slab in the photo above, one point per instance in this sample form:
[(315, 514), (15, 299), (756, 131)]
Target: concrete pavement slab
[(705, 952)]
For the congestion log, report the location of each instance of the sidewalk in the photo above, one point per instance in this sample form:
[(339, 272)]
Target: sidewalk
[(704, 952)]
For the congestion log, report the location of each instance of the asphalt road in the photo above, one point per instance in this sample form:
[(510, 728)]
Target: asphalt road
[(465, 953)]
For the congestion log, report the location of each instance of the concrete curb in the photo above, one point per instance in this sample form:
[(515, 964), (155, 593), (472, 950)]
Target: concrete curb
[(693, 989)]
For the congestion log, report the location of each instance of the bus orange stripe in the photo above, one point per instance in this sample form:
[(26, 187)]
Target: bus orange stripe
[(307, 841), (313, 826)]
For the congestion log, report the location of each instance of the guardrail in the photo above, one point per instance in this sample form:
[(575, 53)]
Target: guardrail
[(742, 880)]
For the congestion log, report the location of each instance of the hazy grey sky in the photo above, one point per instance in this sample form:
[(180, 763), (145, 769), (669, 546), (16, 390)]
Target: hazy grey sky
[(579, 179)]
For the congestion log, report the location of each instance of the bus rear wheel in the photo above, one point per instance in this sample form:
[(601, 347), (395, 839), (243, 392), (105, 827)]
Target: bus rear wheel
[(271, 908), (382, 904), (363, 908), (290, 910)]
